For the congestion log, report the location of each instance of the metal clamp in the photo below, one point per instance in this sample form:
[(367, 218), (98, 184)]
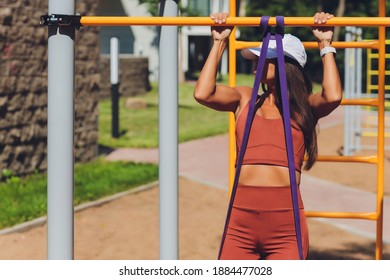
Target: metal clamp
[(61, 20)]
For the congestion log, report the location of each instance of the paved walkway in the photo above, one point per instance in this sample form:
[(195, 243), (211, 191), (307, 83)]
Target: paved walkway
[(206, 161)]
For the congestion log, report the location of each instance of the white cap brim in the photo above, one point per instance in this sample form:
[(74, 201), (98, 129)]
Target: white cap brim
[(292, 47), (253, 53)]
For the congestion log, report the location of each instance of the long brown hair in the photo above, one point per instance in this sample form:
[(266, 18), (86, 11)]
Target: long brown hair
[(299, 88)]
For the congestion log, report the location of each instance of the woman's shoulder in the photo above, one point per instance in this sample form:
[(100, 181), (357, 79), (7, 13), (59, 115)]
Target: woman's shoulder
[(245, 93), (244, 89)]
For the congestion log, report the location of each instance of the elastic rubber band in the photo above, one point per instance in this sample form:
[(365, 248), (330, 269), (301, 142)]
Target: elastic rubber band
[(287, 129)]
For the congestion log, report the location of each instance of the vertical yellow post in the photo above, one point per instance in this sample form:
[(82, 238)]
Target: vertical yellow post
[(232, 83), (381, 129)]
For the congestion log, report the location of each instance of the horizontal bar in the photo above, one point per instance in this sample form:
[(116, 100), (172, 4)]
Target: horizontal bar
[(313, 45), (235, 21), (365, 102), (376, 55), (347, 45), (356, 159), (377, 87), (374, 134), (376, 72), (343, 215)]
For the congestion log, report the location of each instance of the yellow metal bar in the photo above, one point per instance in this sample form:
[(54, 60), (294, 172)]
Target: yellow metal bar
[(313, 45), (342, 215), (236, 21), (387, 87), (232, 83), (376, 55), (381, 130), (376, 72), (374, 134), (356, 159), (365, 102)]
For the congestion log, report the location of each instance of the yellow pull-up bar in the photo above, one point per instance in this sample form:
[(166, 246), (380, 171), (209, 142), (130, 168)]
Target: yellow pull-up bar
[(373, 44), (235, 21)]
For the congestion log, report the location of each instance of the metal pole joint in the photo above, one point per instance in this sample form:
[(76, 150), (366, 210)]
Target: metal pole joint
[(61, 20)]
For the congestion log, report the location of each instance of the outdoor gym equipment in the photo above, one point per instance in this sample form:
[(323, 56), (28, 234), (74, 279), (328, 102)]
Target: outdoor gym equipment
[(62, 24)]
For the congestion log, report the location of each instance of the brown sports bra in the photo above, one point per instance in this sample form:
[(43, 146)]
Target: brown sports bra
[(266, 143)]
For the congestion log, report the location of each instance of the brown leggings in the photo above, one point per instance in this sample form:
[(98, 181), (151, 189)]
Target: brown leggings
[(262, 226)]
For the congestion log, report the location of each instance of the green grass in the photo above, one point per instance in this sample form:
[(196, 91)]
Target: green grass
[(26, 199), (139, 127)]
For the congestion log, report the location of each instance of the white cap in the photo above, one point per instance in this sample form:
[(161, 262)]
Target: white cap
[(292, 47)]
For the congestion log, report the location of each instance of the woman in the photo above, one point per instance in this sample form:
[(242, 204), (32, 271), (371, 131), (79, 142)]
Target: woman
[(261, 224)]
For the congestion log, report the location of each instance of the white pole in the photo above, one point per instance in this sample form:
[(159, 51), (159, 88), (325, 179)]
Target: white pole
[(352, 94), (168, 135), (114, 77), (359, 79), (60, 135), (346, 150), (114, 60)]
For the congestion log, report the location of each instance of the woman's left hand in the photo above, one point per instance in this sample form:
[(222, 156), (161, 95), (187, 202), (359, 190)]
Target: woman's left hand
[(322, 32)]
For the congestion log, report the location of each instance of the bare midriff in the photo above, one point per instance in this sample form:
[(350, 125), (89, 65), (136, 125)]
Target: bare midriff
[(266, 175)]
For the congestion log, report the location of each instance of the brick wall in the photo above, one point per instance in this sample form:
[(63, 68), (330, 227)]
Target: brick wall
[(23, 86), (133, 75)]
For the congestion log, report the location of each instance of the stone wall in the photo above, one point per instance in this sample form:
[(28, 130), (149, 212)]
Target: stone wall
[(133, 75), (23, 86)]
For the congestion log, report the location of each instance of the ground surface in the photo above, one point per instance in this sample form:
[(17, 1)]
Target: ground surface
[(127, 227)]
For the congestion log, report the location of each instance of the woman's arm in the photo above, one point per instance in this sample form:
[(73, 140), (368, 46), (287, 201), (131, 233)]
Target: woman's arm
[(329, 98), (207, 92)]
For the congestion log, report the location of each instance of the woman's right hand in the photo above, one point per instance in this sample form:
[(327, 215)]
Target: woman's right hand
[(220, 33), (322, 32)]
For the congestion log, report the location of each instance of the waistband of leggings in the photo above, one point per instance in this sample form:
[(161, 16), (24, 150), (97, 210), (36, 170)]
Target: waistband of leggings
[(265, 198)]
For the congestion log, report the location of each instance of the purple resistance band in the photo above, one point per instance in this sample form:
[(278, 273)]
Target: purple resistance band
[(287, 129), (266, 33)]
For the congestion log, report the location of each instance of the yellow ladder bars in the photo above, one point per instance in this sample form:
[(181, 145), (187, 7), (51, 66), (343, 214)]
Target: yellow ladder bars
[(381, 22), (371, 73), (377, 216), (370, 86)]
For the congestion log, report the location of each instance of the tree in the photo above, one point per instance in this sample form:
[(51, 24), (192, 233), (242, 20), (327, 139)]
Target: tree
[(339, 13), (152, 6)]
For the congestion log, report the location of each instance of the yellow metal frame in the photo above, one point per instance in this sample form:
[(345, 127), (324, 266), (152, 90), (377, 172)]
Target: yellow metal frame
[(381, 22), (377, 159)]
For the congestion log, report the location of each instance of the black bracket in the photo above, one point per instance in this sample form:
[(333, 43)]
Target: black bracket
[(61, 20)]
